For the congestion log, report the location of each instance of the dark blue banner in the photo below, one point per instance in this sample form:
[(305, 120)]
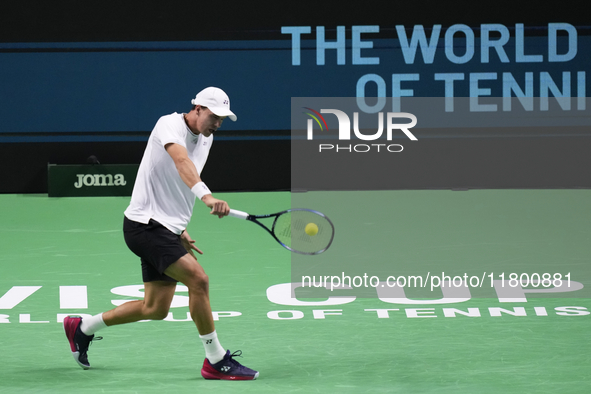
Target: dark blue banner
[(117, 91)]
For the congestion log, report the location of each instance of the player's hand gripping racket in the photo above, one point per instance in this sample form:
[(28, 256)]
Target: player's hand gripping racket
[(302, 231)]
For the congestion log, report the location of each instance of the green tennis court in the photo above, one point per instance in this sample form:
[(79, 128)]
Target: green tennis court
[(67, 256)]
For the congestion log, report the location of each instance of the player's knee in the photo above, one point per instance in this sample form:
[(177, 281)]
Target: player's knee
[(200, 282), (157, 313), (160, 315)]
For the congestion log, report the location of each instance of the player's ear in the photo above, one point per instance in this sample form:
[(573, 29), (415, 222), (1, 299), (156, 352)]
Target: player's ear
[(199, 109)]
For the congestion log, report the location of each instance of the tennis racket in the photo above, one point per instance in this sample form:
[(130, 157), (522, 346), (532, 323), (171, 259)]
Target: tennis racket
[(302, 231)]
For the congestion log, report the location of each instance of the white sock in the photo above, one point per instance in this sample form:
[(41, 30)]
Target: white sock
[(90, 325), (213, 350)]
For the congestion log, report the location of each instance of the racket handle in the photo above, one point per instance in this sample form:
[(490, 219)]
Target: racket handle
[(238, 214)]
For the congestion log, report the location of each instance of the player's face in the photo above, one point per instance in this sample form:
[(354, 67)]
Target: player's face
[(207, 122)]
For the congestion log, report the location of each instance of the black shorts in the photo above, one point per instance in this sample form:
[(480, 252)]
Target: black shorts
[(155, 245)]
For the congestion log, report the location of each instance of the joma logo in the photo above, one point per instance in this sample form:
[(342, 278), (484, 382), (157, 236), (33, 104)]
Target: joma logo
[(99, 180)]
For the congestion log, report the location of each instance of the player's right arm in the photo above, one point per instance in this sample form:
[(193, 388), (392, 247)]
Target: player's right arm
[(190, 177)]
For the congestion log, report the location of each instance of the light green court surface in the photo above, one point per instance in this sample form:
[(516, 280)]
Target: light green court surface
[(537, 346)]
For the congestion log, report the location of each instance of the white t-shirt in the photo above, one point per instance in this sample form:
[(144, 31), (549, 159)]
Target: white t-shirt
[(159, 192)]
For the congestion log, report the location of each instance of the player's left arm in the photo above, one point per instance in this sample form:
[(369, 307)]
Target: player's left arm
[(191, 177)]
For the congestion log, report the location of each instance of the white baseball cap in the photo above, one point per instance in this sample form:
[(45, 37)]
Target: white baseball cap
[(216, 100)]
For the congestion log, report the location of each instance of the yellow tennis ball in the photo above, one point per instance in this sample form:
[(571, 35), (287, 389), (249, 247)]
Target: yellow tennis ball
[(311, 229)]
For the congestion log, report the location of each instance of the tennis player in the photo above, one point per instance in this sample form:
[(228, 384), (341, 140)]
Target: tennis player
[(164, 194)]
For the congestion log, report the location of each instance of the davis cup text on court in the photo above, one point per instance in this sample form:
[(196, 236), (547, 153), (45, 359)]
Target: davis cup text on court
[(76, 297)]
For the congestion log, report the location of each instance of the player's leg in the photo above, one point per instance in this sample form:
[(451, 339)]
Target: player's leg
[(157, 248), (189, 272), (155, 305), (218, 364)]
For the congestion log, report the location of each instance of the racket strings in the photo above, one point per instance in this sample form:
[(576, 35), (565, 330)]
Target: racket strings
[(290, 229)]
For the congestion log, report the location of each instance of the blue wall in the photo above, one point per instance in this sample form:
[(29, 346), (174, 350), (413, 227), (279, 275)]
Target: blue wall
[(80, 79), (124, 87)]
